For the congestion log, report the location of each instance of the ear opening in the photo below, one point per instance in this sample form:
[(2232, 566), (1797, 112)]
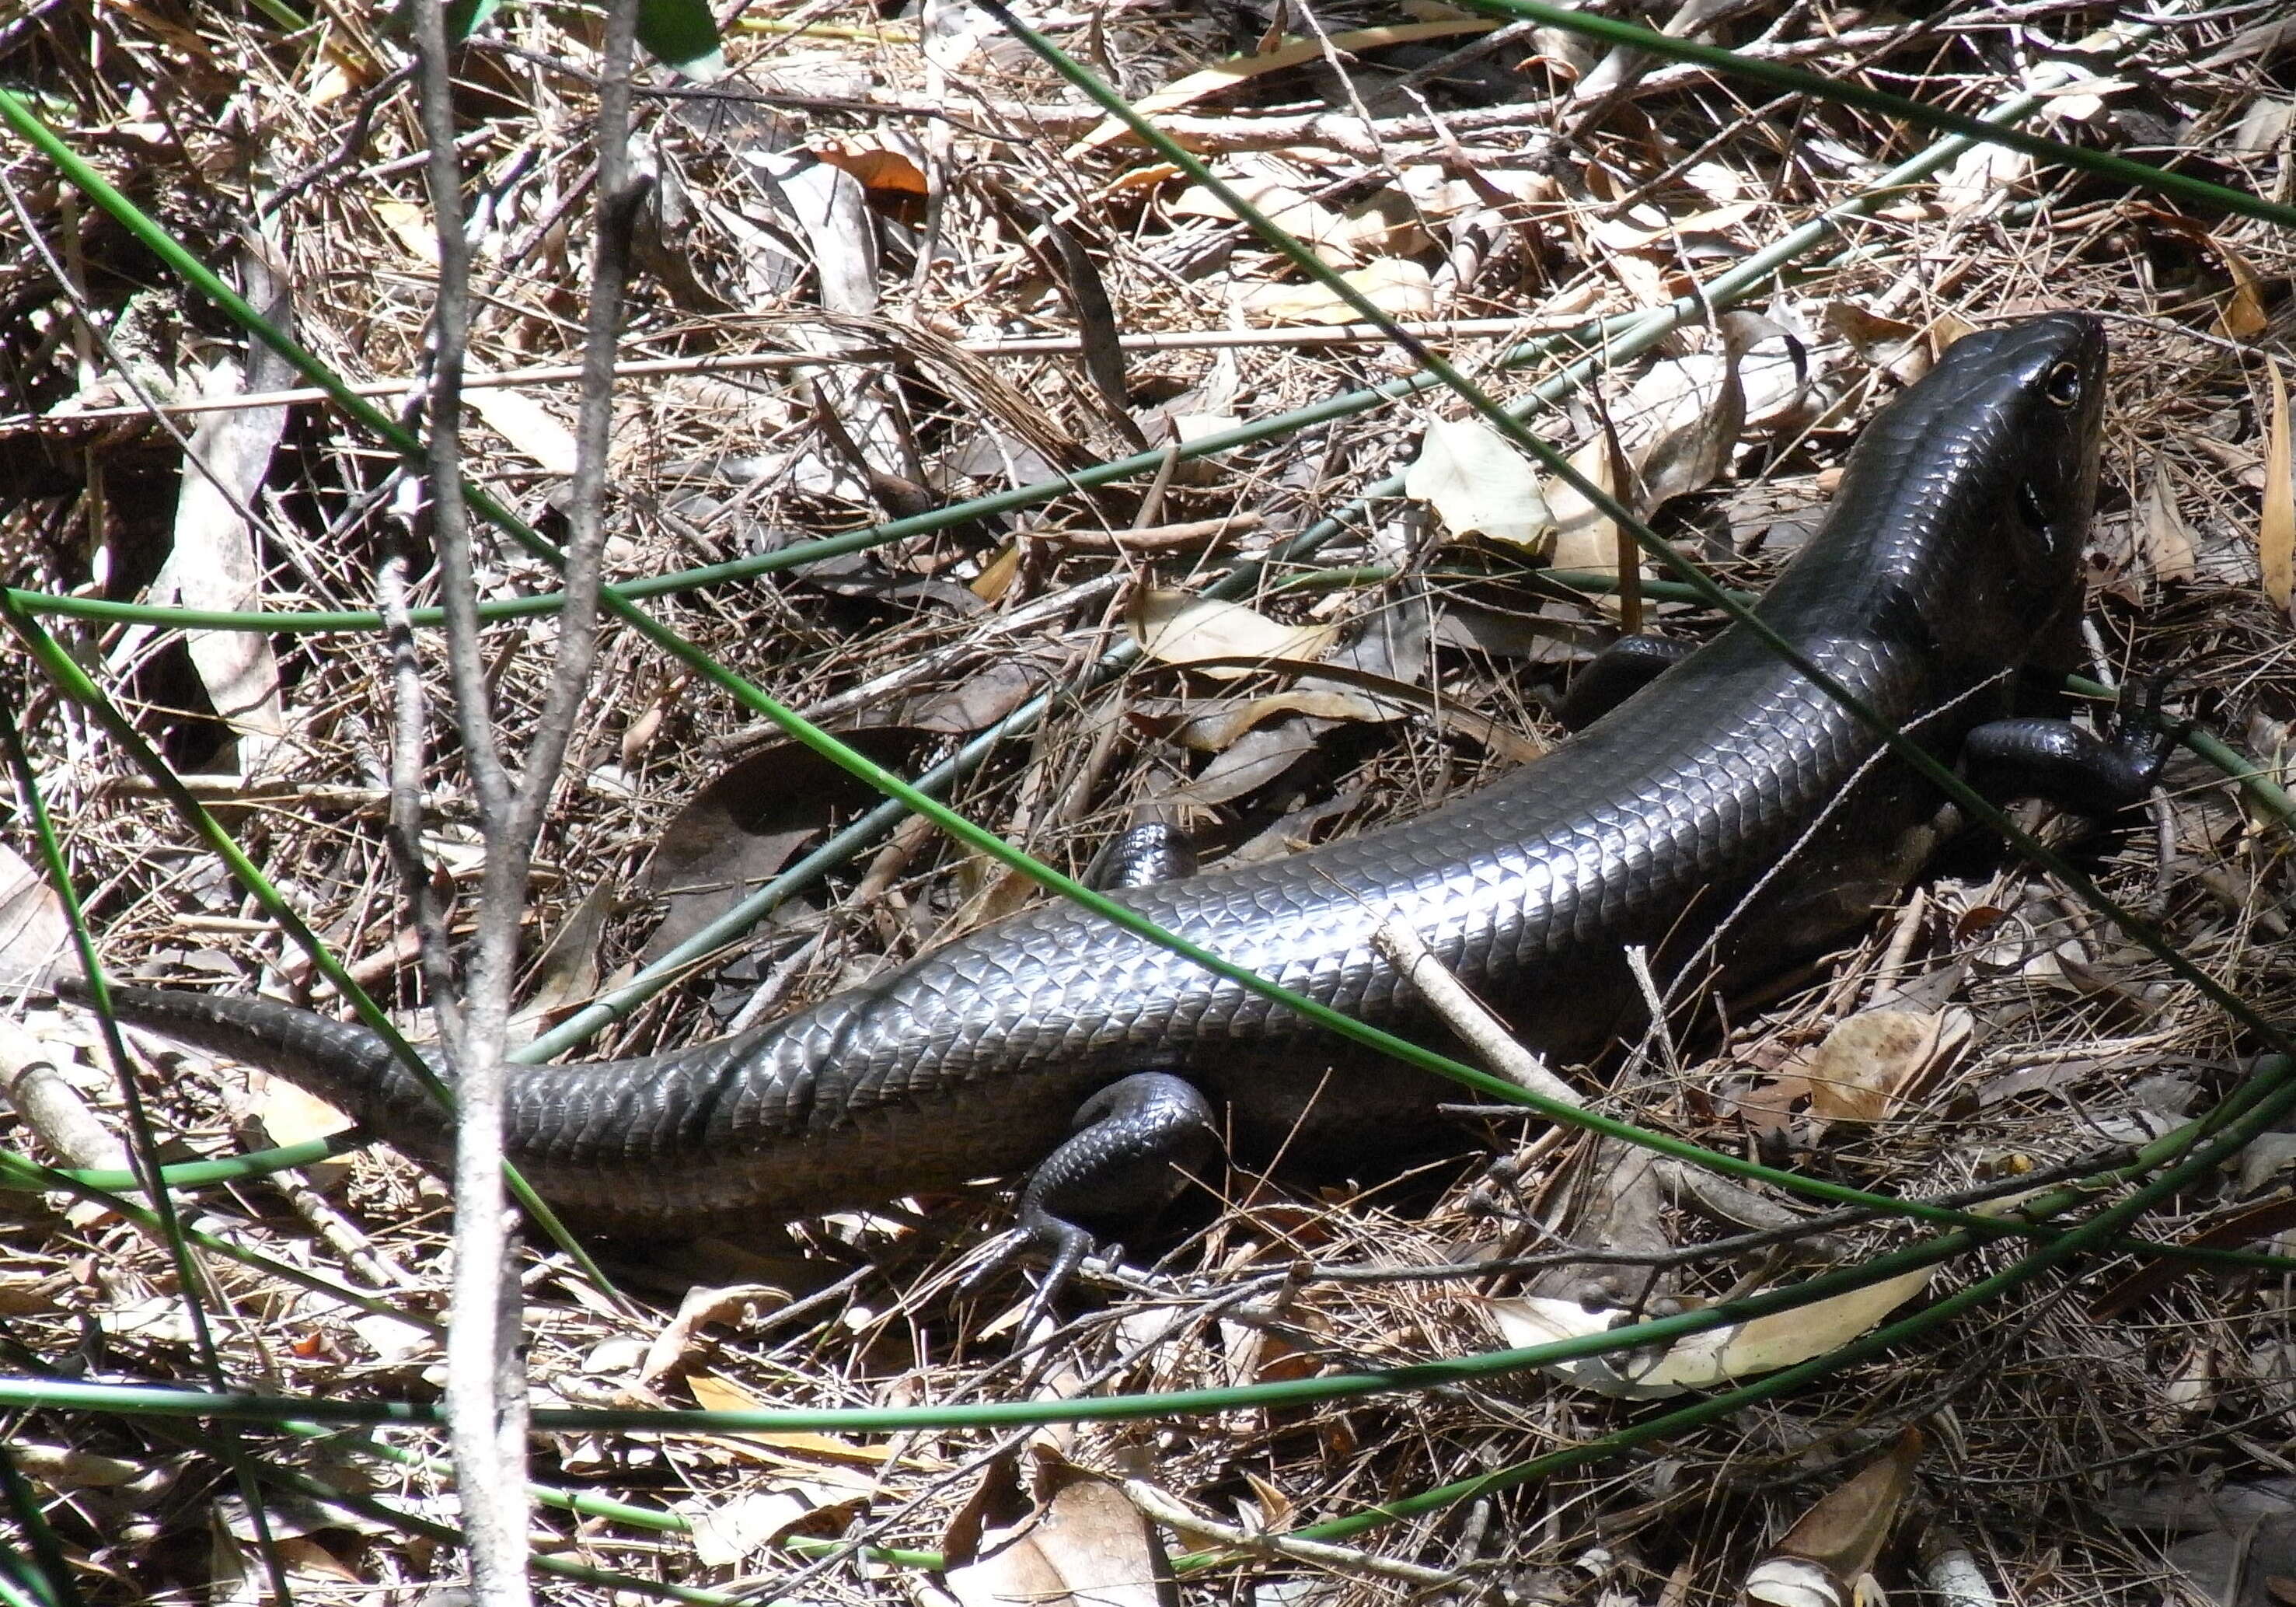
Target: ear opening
[(2030, 508)]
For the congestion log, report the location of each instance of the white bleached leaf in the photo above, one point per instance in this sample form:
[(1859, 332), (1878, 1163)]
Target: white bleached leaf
[(1178, 629), (1708, 1360), (1585, 537), (1395, 285), (528, 426), (1479, 484)]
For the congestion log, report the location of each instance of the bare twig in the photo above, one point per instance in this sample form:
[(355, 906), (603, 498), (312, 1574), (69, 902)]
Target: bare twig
[(1151, 538), (486, 1393), (1164, 1509), (1466, 1015)]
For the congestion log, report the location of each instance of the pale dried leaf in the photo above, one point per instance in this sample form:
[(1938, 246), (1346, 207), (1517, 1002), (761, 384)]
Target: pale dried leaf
[(1708, 1360), (1285, 204), (1241, 70), (2162, 533), (1890, 344), (2078, 94), (212, 562), (993, 889), (998, 575), (34, 933), (410, 224), (1861, 1070), (309, 1562), (726, 1535), (1479, 484), (1214, 728), (2241, 314), (1255, 759), (1844, 1534), (291, 1116), (832, 209), (1688, 458), (680, 1343), (532, 430), (1982, 173), (1792, 1582), (952, 30), (1947, 328), (1647, 226), (567, 973), (1396, 286), (977, 702), (1178, 629), (2263, 125), (1438, 194), (68, 1468), (2276, 526), (1787, 1338), (1585, 537), (839, 1463), (1086, 1544), (393, 1342)]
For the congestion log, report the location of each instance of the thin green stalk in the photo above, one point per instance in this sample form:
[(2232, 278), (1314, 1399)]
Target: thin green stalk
[(146, 1400), (53, 1569), (1597, 334), (194, 1173), (14, 1595), (18, 1175), (144, 1144), (585, 1503), (443, 1534)]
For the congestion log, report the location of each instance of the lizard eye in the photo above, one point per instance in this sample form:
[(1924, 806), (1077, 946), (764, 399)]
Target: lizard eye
[(2063, 385)]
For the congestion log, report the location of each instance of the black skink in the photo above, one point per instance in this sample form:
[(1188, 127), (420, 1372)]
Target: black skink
[(1950, 557)]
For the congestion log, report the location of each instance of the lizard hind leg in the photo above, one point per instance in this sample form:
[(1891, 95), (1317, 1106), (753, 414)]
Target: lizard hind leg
[(1136, 1142)]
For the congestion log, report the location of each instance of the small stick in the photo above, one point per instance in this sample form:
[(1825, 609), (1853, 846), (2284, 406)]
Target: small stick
[(1153, 1503), (53, 1108), (1151, 538), (1465, 1014), (1901, 946)]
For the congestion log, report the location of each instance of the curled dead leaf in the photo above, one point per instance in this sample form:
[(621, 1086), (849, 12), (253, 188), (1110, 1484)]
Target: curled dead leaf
[(1213, 727), (1178, 629), (743, 826), (1396, 285), (2162, 534), (1833, 1548), (1083, 1544), (1479, 484)]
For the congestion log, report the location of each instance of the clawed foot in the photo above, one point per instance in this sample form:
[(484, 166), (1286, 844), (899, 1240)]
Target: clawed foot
[(1136, 1144), (2065, 764)]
